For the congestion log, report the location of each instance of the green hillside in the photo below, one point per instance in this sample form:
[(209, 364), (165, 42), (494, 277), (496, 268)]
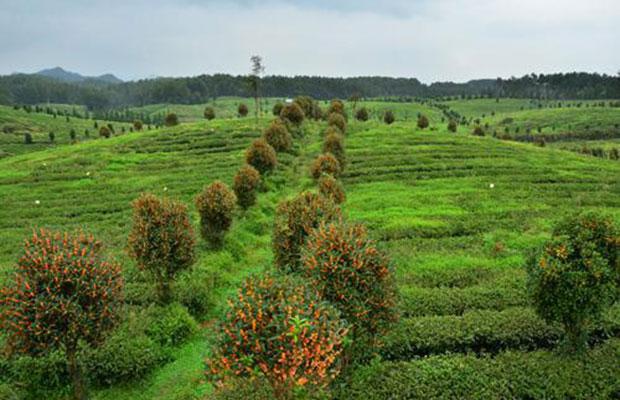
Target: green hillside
[(456, 213)]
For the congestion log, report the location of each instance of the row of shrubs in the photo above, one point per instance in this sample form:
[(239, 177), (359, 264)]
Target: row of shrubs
[(483, 331), (510, 375)]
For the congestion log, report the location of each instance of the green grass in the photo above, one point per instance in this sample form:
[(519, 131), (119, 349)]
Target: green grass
[(456, 213)]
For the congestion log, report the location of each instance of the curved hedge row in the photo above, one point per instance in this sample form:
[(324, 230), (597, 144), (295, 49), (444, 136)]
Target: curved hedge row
[(481, 332), (509, 375)]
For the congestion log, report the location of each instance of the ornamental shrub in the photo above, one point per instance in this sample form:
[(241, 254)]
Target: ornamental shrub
[(325, 164), (277, 108), (242, 110), (423, 122), (306, 104), (170, 325), (261, 156), (576, 274), (171, 119), (478, 131), (331, 188), (452, 126), (209, 113), (338, 121), (293, 113), (334, 144), (336, 106), (348, 270), (362, 114), (215, 205), (137, 125), (278, 136), (278, 328), (105, 132), (28, 138), (161, 240), (294, 220), (64, 293), (245, 184), (388, 117)]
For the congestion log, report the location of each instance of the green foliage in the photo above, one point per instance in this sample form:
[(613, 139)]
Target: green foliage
[(293, 113), (294, 221), (336, 106), (171, 119), (137, 125), (452, 126), (332, 189), (161, 240), (362, 114), (242, 110), (509, 375), (209, 113), (423, 121), (215, 205), (261, 156), (478, 131), (388, 117), (245, 184), (28, 138), (279, 328), (348, 270), (306, 104), (171, 325), (325, 164), (334, 144), (575, 275), (278, 136), (52, 136)]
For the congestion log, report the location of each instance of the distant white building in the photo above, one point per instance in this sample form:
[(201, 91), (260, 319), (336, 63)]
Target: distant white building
[(288, 101)]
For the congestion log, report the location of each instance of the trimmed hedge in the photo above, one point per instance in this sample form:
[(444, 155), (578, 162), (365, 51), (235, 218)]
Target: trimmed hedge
[(495, 295), (509, 375), (481, 332)]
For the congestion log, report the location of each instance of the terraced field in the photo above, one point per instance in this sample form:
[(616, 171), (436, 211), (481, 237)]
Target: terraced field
[(456, 213)]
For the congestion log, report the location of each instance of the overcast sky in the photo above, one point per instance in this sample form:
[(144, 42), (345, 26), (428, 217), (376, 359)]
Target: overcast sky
[(429, 39)]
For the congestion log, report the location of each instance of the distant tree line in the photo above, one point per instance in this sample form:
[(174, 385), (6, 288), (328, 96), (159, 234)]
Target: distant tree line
[(32, 89)]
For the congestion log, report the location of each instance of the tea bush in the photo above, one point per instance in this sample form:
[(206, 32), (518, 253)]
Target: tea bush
[(423, 122), (242, 110), (277, 108), (261, 156), (362, 114), (332, 189), (171, 119), (209, 113), (325, 164), (452, 126), (170, 325), (388, 117), (278, 136), (334, 144), (338, 121), (293, 113)]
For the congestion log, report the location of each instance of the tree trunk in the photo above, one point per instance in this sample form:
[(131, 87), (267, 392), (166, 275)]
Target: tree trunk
[(75, 372), (163, 291)]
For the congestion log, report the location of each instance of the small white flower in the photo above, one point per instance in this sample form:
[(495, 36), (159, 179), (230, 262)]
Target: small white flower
[(37, 202), (88, 173), (165, 188), (45, 164), (491, 185)]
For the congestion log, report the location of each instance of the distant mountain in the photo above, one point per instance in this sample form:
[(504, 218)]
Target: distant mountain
[(73, 77)]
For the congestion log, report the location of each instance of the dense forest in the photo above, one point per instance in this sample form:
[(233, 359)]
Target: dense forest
[(32, 89)]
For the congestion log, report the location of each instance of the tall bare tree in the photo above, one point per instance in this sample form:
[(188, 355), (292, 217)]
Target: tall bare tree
[(254, 82)]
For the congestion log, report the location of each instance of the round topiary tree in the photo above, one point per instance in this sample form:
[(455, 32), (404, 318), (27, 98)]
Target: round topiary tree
[(261, 156), (294, 220), (242, 110), (338, 121), (452, 126), (277, 108), (65, 293), (215, 205), (137, 125), (362, 114), (293, 113), (349, 272), (478, 131), (105, 132), (423, 122), (171, 119), (574, 276), (325, 164), (161, 240), (336, 106), (209, 113), (52, 136), (245, 185), (331, 188), (388, 117), (278, 328), (306, 104), (278, 136), (334, 144)]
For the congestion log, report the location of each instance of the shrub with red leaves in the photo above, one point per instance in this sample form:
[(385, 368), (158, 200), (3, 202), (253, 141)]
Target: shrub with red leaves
[(279, 328), (278, 136), (215, 205), (325, 164), (64, 292), (261, 156), (245, 185), (334, 144), (332, 189)]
